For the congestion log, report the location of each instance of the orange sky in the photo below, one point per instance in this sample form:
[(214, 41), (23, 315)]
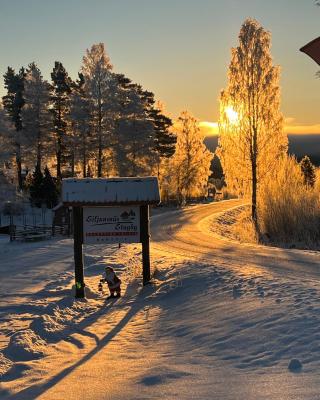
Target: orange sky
[(290, 127), (178, 49)]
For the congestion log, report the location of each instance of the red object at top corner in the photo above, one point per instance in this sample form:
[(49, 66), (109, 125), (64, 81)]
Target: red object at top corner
[(312, 49)]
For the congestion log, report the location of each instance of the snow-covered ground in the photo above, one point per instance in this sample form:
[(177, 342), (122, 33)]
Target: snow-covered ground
[(220, 320)]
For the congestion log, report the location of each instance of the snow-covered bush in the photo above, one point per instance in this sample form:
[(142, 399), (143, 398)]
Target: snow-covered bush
[(189, 167), (289, 211)]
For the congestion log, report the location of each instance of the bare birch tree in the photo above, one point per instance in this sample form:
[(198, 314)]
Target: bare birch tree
[(97, 73), (190, 165), (251, 124), (35, 114)]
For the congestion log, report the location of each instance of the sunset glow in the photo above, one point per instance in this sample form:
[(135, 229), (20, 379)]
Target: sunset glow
[(159, 199), (232, 115), (209, 128), (205, 77)]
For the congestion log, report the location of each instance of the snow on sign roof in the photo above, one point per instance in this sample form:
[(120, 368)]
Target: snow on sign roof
[(110, 191)]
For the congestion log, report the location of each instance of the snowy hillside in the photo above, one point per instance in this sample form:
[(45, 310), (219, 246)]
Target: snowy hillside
[(211, 325)]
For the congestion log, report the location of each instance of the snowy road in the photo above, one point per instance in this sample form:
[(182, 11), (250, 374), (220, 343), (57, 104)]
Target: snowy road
[(222, 320), (186, 233)]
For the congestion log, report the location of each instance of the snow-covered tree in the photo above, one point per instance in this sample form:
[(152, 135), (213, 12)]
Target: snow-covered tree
[(97, 73), (7, 135), (290, 211), (80, 113), (142, 133), (60, 108), (165, 138), (190, 164), (35, 114), (134, 130), (308, 171), (251, 125), (13, 103)]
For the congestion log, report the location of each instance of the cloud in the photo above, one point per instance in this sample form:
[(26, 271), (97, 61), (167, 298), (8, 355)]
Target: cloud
[(209, 128), (300, 129), (289, 120)]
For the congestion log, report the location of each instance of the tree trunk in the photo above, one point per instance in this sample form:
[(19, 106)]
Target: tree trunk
[(58, 156), (84, 165), (72, 163), (158, 173), (254, 193), (254, 178), (18, 163), (84, 157), (100, 157), (39, 149), (99, 135), (59, 145)]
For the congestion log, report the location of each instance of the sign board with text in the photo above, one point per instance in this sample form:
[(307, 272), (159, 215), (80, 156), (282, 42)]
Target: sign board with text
[(110, 210), (105, 225)]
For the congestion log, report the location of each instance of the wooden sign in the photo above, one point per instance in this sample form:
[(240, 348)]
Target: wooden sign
[(110, 210), (110, 191), (105, 225)]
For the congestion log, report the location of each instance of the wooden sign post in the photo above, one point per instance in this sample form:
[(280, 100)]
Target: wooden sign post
[(145, 240), (78, 254), (109, 211)]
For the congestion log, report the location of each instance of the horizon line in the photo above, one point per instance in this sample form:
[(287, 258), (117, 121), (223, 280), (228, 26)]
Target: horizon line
[(212, 129)]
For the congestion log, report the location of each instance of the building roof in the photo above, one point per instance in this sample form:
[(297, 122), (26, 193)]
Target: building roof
[(312, 49), (110, 191)]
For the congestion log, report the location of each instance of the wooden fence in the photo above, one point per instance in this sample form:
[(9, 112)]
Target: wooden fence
[(30, 233)]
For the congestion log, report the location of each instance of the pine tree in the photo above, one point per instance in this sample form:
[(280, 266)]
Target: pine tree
[(190, 164), (37, 194), (7, 134), (165, 140), (13, 103), (308, 171), (251, 125), (134, 131), (36, 116), (60, 104), (49, 189), (96, 70)]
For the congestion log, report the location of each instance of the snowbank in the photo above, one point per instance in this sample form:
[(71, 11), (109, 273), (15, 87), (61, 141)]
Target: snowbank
[(206, 324), (52, 314), (25, 345)]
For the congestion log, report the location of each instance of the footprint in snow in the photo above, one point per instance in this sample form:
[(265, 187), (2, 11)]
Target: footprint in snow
[(236, 291), (295, 365)]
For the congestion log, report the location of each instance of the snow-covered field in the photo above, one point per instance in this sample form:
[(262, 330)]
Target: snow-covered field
[(220, 320)]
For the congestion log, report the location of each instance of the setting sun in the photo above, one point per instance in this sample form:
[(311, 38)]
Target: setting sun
[(232, 115)]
